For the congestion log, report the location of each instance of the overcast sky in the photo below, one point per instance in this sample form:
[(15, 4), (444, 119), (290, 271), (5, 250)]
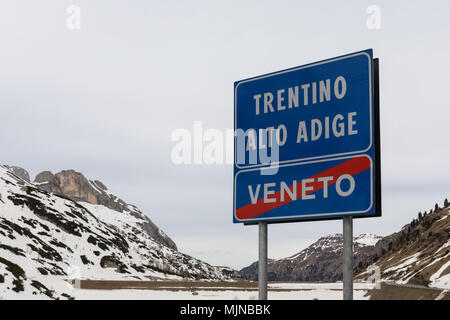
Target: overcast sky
[(105, 99)]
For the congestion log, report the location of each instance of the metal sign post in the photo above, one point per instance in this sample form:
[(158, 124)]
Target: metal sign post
[(348, 258), (262, 264)]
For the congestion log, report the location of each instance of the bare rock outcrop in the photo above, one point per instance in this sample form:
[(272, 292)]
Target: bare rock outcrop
[(48, 182), (75, 186), (20, 172)]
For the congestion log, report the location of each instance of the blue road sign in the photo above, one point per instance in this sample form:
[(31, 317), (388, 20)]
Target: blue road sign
[(306, 142)]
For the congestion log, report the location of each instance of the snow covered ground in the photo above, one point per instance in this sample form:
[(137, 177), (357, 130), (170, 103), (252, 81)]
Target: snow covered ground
[(290, 291)]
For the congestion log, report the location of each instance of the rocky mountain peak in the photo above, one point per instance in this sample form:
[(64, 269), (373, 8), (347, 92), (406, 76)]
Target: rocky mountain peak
[(48, 182), (20, 172), (75, 186), (368, 239), (321, 261)]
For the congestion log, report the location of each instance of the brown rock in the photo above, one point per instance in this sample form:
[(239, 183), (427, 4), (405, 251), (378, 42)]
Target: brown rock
[(48, 182), (77, 187), (20, 172)]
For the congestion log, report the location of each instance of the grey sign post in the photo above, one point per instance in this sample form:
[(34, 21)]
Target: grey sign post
[(262, 264), (348, 258)]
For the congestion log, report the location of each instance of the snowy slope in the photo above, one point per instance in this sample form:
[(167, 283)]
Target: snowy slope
[(367, 239), (45, 239), (75, 186), (419, 254)]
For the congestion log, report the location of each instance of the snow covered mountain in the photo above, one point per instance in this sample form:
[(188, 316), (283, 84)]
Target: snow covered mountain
[(419, 254), (47, 237), (321, 261)]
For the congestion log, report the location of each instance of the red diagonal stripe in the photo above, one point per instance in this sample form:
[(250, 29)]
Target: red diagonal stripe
[(351, 166)]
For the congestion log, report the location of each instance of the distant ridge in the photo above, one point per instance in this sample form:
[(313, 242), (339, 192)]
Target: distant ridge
[(321, 261)]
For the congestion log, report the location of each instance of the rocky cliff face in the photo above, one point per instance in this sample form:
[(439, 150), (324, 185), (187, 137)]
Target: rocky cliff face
[(75, 186), (321, 261), (20, 172)]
